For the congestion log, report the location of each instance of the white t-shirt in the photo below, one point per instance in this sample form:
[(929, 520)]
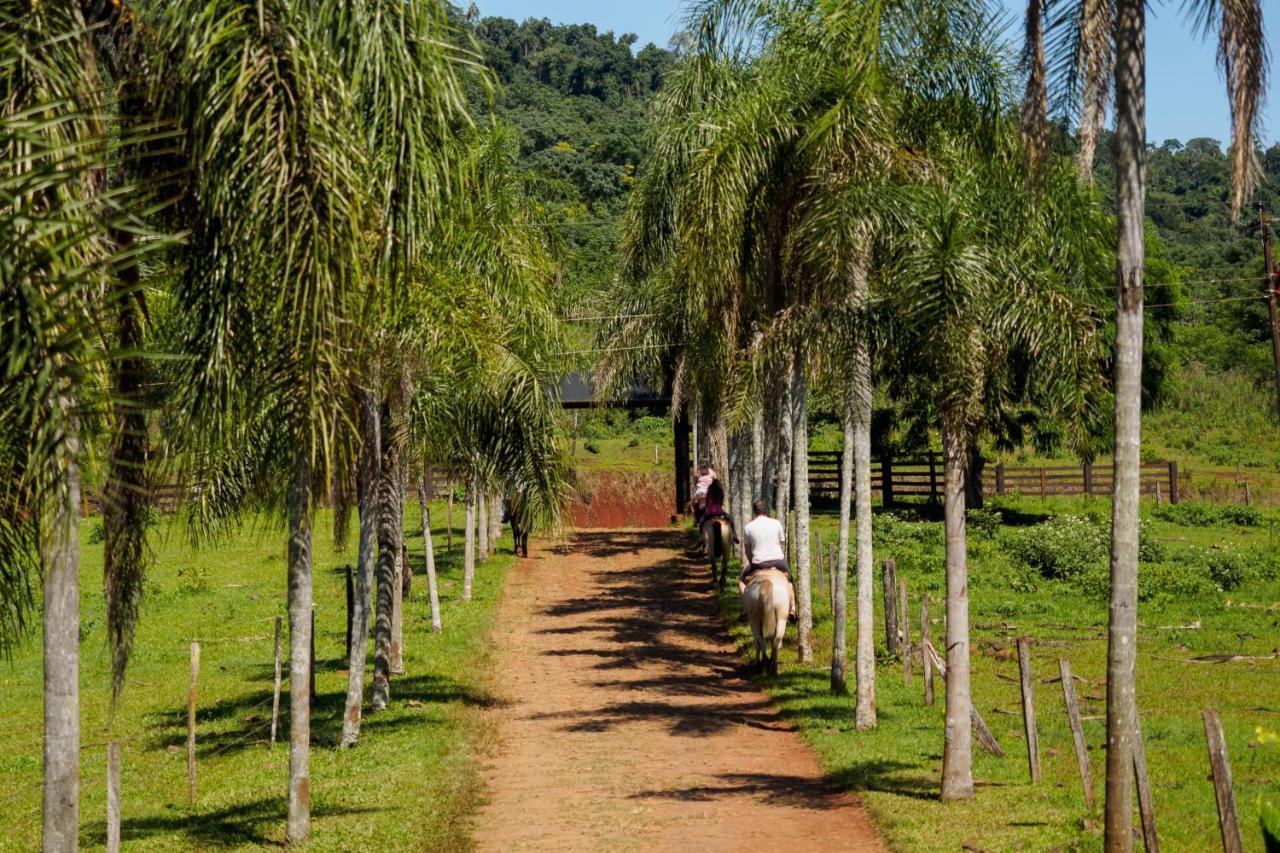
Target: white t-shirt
[(764, 538)]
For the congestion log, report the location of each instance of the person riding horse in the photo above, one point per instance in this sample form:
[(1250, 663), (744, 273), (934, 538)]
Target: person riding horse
[(765, 541)]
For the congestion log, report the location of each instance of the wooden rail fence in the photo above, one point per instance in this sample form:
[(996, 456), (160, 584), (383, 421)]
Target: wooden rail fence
[(918, 476)]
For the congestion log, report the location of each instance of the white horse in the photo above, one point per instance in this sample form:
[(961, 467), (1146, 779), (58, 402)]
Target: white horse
[(767, 602)]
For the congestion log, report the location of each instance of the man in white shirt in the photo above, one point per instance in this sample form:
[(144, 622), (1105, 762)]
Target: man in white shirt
[(765, 541)]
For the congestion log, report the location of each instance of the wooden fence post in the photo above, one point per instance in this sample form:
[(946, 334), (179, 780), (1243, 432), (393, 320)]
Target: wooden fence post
[(832, 571), (1248, 496), (925, 641), (999, 478), (1042, 482), (1143, 784), (818, 563), (886, 479), (275, 691), (1157, 493), (113, 797), (191, 721), (1173, 482), (889, 581), (1077, 730), (351, 603), (1028, 709), (1088, 479), (904, 624), (933, 479), (1228, 823)]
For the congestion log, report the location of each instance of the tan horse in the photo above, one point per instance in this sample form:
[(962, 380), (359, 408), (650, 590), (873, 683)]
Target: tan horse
[(767, 601), (715, 544)]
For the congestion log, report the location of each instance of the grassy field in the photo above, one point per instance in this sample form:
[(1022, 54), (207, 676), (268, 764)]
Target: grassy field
[(412, 781), (897, 767)]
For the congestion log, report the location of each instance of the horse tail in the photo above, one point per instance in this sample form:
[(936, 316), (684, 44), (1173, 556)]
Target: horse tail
[(768, 617)]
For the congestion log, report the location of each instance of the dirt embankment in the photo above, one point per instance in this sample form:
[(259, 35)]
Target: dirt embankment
[(615, 499)]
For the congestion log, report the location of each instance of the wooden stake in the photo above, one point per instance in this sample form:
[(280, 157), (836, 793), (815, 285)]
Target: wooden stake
[(191, 722), (985, 738), (1077, 731), (821, 558), (113, 797), (275, 692), (1145, 806), (1157, 493), (904, 626), (1248, 496), (925, 641), (1227, 820), (889, 578), (1028, 709), (832, 571)]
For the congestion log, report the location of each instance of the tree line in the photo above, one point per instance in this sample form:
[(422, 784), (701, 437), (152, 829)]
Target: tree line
[(844, 199), (267, 249)]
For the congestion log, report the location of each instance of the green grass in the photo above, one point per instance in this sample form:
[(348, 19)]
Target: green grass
[(897, 767), (411, 783)]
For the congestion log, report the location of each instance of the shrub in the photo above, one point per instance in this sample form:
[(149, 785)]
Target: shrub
[(590, 446), (634, 442), (1227, 568), (983, 522), (1062, 548), (652, 427), (97, 532), (1204, 514), (1157, 581), (1240, 515)]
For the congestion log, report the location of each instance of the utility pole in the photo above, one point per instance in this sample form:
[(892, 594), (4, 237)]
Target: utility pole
[(1272, 285)]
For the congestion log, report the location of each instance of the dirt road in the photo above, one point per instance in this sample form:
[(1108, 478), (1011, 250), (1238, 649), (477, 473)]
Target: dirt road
[(628, 724)]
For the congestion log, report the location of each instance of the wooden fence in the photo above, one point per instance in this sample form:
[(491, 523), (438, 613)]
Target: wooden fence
[(921, 476)]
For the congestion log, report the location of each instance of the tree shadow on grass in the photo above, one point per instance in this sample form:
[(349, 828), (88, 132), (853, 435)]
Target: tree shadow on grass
[(244, 721), (234, 825)]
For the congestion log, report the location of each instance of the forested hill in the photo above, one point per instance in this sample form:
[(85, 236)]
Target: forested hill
[(1219, 262), (577, 97)]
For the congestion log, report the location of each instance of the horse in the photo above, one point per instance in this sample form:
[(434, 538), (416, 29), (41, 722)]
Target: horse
[(715, 543), (767, 602)]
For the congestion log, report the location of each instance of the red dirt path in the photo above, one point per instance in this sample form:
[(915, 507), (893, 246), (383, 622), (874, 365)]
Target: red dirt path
[(629, 725)]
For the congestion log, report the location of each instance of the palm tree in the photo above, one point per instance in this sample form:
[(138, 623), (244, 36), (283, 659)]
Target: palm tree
[(1095, 41)]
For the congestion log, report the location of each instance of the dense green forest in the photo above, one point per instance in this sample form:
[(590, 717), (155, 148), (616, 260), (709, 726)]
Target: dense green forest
[(578, 100)]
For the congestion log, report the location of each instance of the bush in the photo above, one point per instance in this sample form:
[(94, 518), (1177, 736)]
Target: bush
[(1227, 568), (634, 442), (983, 522), (1204, 514), (1063, 548), (1157, 581), (652, 427), (591, 446), (1240, 515), (97, 532)]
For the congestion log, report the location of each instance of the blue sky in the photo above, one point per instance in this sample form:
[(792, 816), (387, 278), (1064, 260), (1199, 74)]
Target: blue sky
[(1185, 95)]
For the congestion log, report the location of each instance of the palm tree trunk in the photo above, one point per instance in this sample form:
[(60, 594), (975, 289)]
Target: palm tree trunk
[(785, 437), (839, 604), (1130, 170), (957, 754), (469, 542), (401, 566), (299, 818), (60, 552), (388, 579), (757, 485), (495, 522), (482, 526), (800, 478), (368, 463), (429, 548), (864, 715)]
